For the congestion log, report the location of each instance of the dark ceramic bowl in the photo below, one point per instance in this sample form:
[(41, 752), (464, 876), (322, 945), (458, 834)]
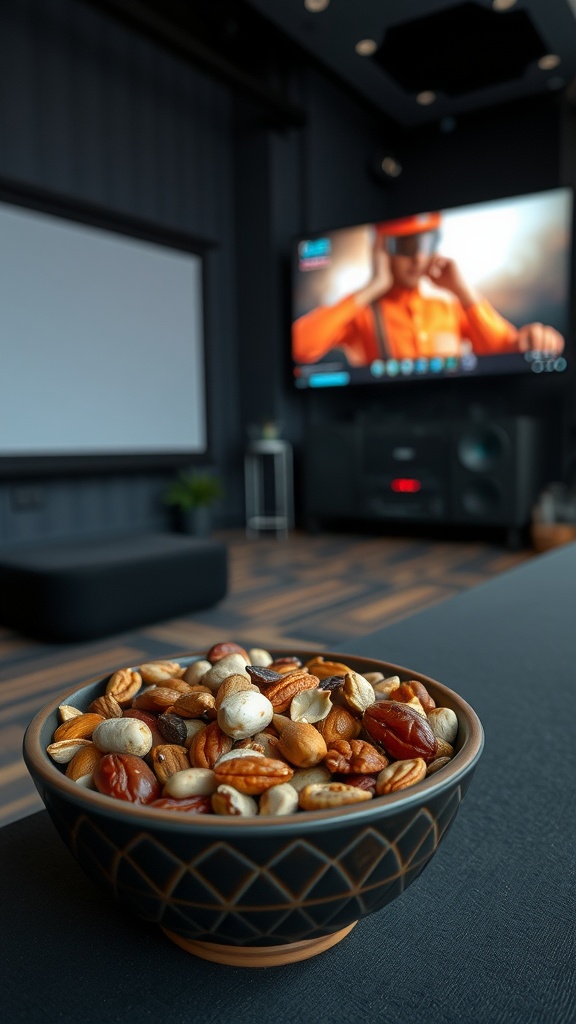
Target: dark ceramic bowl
[(256, 891)]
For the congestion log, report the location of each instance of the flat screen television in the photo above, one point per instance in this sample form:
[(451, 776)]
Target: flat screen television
[(460, 292), (102, 339)]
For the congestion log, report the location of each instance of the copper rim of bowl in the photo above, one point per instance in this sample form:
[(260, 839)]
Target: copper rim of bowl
[(464, 760)]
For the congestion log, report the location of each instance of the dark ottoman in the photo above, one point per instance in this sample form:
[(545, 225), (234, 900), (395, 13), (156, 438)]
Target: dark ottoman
[(84, 589)]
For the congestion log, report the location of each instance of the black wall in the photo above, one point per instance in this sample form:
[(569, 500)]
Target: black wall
[(97, 111)]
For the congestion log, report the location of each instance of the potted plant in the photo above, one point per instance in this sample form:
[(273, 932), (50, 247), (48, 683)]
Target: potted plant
[(192, 495)]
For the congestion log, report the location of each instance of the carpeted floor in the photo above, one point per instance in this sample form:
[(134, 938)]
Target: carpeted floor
[(312, 592)]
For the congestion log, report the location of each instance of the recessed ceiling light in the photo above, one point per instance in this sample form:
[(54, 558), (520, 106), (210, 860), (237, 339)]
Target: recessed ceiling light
[(549, 62), (366, 47), (316, 5), (426, 97), (391, 166), (503, 5)]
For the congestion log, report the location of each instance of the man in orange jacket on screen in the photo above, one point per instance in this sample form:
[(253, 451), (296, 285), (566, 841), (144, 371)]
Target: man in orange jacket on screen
[(393, 317)]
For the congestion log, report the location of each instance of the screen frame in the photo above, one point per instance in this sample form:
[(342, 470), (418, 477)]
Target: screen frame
[(373, 384), (73, 210)]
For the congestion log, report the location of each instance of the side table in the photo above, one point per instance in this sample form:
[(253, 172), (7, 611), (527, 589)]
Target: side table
[(268, 482)]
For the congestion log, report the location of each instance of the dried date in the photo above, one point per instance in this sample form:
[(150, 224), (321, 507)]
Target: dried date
[(400, 730), (126, 777)]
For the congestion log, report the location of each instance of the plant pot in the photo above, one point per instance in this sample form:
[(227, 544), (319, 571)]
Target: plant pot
[(195, 521)]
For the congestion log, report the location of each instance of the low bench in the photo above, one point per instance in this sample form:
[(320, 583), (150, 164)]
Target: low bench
[(84, 589)]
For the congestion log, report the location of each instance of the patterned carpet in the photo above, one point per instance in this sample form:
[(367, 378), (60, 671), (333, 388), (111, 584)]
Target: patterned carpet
[(312, 592)]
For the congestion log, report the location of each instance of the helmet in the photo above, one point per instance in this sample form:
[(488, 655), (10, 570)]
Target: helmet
[(413, 225), (409, 236)]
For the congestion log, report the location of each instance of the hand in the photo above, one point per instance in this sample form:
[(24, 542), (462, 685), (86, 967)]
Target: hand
[(540, 338), (445, 273)]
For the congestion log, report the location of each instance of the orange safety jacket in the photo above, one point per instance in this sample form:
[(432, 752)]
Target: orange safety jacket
[(403, 324)]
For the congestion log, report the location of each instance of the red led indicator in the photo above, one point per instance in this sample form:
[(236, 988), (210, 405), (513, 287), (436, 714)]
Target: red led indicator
[(406, 485)]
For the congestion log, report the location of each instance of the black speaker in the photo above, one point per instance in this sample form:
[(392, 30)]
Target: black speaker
[(496, 470), (404, 472)]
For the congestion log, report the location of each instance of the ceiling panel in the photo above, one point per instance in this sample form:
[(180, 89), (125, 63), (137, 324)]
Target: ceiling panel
[(469, 55)]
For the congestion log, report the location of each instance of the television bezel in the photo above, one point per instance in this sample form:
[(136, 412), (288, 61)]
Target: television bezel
[(372, 384), (74, 210)]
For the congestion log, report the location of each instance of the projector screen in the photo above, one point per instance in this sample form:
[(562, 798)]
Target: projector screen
[(101, 340)]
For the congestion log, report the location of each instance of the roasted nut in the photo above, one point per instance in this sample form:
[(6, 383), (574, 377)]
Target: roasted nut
[(354, 756), (282, 692), (331, 794), (444, 749), (190, 782), (83, 763), (227, 800), (233, 684), (384, 687), (252, 775), (149, 719), (123, 736), (339, 724), (308, 776), (219, 651), (400, 775), (444, 723), (300, 743), (64, 750), (413, 688), (258, 656), (357, 692), (208, 745), (286, 664), (126, 777), (107, 706), (323, 669), (196, 704), (66, 712), (155, 671), (310, 705), (80, 727), (180, 685), (196, 671), (193, 727), (124, 685), (167, 759), (281, 799), (437, 764), (238, 752), (229, 665), (244, 713), (400, 730), (156, 698)]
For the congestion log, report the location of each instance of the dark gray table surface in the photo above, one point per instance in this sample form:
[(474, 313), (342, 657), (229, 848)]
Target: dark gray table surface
[(484, 936)]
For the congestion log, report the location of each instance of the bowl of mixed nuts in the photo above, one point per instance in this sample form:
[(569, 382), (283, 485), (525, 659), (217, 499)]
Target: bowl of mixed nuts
[(255, 804)]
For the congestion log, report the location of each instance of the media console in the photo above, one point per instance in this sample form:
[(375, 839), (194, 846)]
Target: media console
[(462, 472)]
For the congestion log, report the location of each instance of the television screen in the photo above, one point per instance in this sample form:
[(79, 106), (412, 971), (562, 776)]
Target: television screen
[(473, 290)]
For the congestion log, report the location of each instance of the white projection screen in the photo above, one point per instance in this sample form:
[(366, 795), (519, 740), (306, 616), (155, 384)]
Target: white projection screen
[(101, 341)]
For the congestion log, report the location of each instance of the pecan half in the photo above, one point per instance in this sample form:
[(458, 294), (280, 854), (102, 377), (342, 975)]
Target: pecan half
[(400, 775), (208, 745), (355, 756), (252, 774), (281, 693)]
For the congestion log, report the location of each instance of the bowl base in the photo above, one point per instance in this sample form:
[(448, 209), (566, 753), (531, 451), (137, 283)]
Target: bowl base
[(259, 956)]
